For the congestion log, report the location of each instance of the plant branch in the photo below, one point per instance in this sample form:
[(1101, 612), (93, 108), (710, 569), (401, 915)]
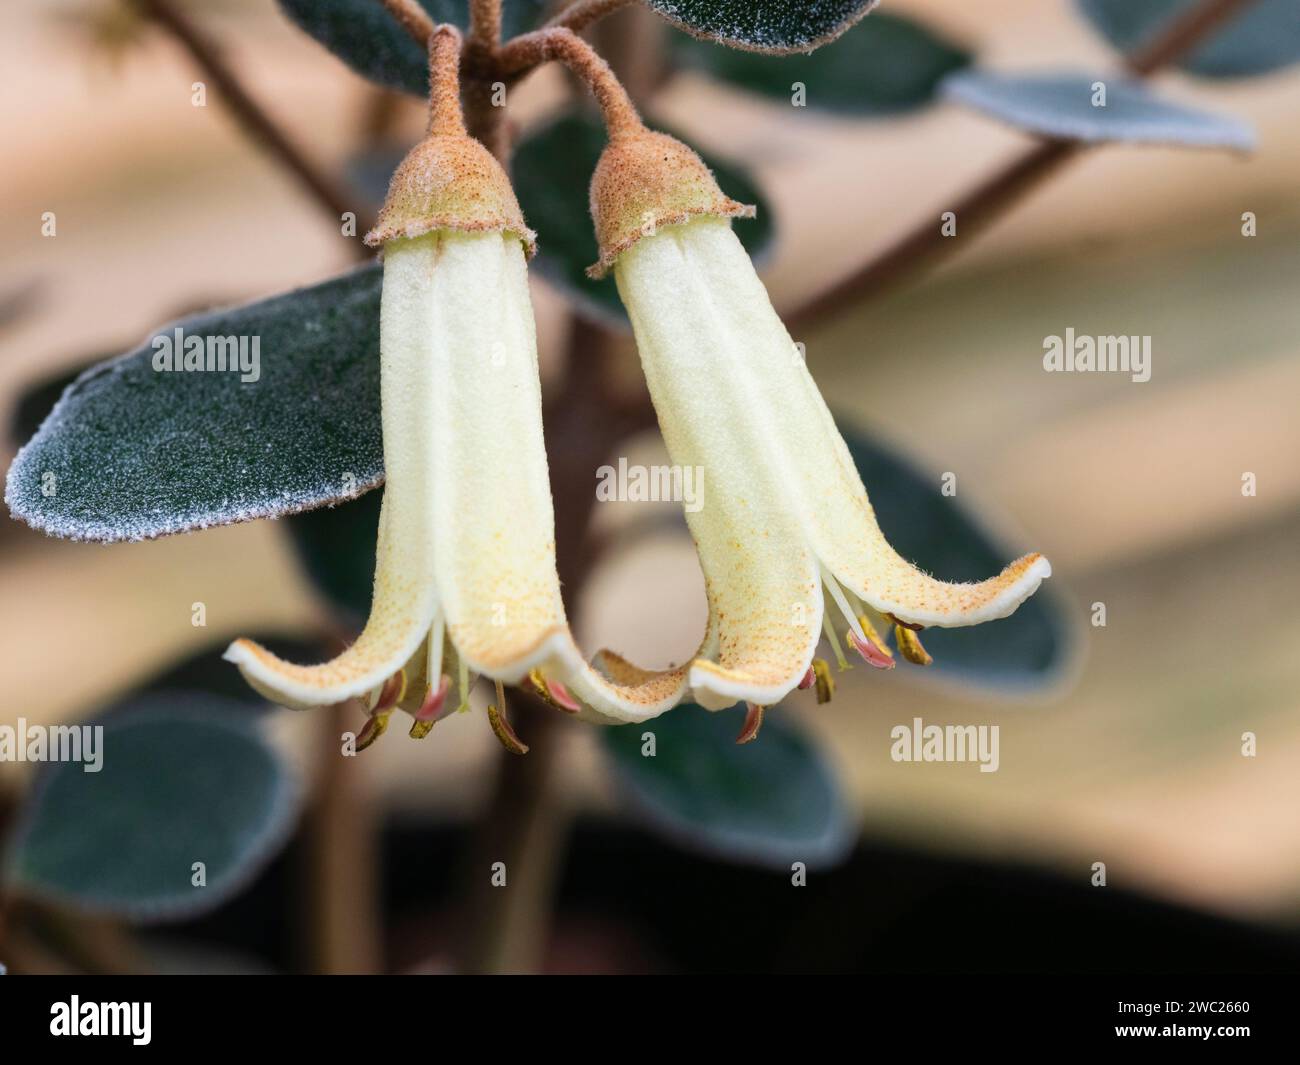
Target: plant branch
[(485, 23), (330, 194), (413, 18), (531, 49), (1174, 40), (582, 13), (978, 208)]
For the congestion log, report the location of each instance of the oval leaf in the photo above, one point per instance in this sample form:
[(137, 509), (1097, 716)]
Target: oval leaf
[(1060, 105), (887, 66), (769, 802), (131, 452), (552, 170), (1263, 37), (183, 778), (764, 25), (370, 41), (1028, 650)]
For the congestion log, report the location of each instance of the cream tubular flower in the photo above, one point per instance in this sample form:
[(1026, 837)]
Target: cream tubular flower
[(787, 537), (465, 577)]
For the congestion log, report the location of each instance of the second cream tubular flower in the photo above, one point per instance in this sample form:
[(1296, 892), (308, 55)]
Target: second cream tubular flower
[(787, 538)]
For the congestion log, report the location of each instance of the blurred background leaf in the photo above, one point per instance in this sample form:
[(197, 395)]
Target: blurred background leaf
[(769, 803), (370, 41), (764, 25), (1060, 104), (886, 66), (137, 453), (1028, 650), (33, 406), (552, 170), (184, 778), (1263, 38), (337, 548)]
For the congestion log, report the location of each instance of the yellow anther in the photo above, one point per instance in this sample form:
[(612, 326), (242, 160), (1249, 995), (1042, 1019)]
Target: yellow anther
[(753, 722), (501, 724), (909, 646), (823, 679), (372, 729), (877, 641)]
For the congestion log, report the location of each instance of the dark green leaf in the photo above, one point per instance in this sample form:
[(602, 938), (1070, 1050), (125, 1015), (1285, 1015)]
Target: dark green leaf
[(552, 172), (1060, 105), (764, 25), (1263, 37), (370, 41), (130, 452), (886, 66), (1025, 651), (184, 777), (769, 802)]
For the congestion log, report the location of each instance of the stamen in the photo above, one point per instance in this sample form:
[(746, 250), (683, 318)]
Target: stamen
[(432, 710), (808, 680), (553, 693), (834, 641), (909, 646), (873, 635), (563, 698), (906, 624), (837, 594), (437, 638), (753, 722), (821, 670), (375, 726), (501, 724), (871, 653), (390, 694), (462, 670)]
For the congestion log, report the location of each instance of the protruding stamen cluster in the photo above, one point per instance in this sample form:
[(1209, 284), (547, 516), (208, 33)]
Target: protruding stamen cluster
[(861, 634)]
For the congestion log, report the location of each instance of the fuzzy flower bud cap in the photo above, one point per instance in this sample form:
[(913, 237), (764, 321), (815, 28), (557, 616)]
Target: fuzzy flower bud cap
[(450, 181), (645, 180)]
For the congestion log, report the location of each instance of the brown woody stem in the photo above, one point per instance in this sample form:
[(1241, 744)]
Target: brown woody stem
[(925, 245), (328, 192)]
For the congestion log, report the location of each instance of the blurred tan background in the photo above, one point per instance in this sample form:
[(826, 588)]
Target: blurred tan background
[(1132, 490)]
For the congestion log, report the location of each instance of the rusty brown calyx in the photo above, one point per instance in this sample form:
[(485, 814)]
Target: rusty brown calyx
[(450, 181), (646, 180)]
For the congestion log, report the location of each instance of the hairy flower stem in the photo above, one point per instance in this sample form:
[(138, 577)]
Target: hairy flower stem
[(531, 49), (445, 118), (412, 17), (485, 23), (925, 246), (583, 13)]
